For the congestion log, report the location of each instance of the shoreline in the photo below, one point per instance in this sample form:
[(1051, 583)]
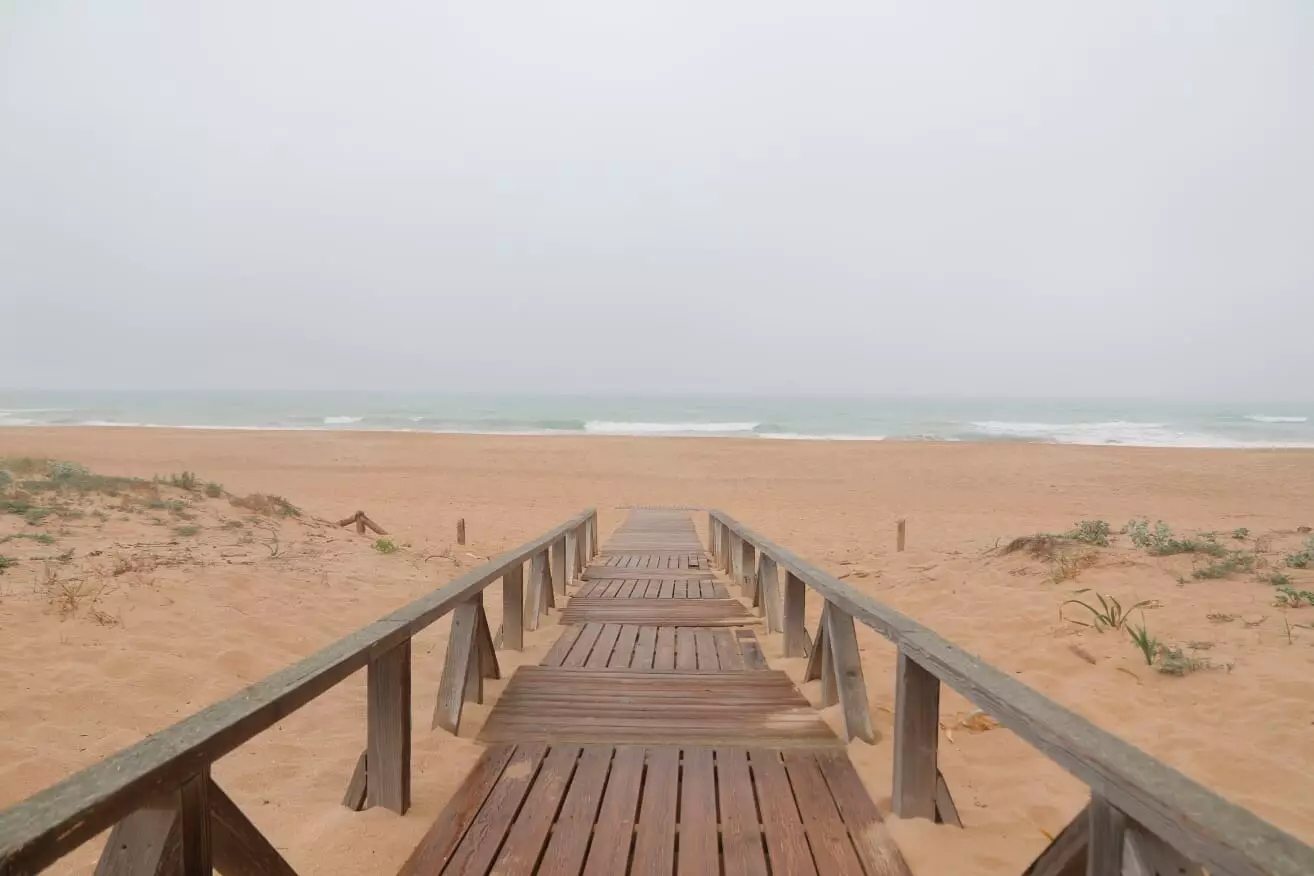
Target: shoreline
[(696, 436)]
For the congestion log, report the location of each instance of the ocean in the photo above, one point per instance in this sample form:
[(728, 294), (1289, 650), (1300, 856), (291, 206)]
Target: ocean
[(1127, 423)]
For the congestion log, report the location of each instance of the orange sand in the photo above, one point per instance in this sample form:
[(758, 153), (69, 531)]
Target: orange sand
[(174, 638)]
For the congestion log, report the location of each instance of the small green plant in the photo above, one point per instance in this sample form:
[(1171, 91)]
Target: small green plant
[(34, 516), (385, 546), (1092, 532), (1278, 579), (213, 490), (5, 480), (1148, 645), (1110, 615), (1240, 533), (6, 563), (1161, 542), (25, 466), (1304, 558), (1236, 561), (67, 471), (187, 530), (1290, 598)]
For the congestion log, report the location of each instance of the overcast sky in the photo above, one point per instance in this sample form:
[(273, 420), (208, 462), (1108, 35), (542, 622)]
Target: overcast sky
[(842, 196)]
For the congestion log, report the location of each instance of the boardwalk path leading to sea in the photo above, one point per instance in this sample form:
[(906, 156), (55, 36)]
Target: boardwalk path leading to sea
[(654, 738)]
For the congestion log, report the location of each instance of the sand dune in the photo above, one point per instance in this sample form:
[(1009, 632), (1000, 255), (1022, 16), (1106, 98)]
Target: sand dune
[(168, 620)]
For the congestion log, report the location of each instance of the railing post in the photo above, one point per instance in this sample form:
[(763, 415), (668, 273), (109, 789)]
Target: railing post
[(916, 739), (747, 564), (513, 608), (540, 586), (795, 606), (559, 566), (388, 737), (768, 590), (1108, 831), (194, 826), (570, 556), (711, 533), (736, 561)]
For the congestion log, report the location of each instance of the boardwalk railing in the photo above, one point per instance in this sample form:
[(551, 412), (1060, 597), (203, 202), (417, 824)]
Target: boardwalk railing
[(168, 815), (1144, 818)]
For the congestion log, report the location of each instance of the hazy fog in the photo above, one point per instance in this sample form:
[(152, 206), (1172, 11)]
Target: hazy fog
[(1020, 198)]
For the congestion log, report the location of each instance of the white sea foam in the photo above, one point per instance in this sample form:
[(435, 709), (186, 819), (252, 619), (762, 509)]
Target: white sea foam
[(1272, 418), (609, 427), (1116, 432), (341, 421), (799, 436)]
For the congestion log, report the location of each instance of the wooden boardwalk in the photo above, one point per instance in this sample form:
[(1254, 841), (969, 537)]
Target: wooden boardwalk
[(655, 739)]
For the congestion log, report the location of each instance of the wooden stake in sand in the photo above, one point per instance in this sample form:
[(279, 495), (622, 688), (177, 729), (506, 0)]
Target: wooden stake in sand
[(460, 531), (362, 522), (903, 531)]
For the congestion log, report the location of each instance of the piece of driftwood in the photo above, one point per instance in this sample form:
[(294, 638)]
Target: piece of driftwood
[(362, 522), (901, 538)]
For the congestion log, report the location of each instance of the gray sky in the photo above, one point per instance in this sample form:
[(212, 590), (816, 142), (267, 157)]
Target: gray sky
[(1022, 198)]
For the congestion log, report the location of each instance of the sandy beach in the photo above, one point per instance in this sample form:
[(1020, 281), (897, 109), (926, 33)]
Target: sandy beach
[(173, 619)]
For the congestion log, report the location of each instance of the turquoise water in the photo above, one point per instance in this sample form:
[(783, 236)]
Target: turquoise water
[(1132, 423)]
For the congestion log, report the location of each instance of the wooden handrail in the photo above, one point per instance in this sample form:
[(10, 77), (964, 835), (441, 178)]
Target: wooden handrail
[(1184, 814), (48, 825)]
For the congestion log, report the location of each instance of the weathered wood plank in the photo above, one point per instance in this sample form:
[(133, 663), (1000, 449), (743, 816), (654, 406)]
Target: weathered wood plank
[(558, 567), (388, 730), (871, 838), (849, 681), (488, 667), (786, 841), (829, 837), (1144, 854), (754, 659), (795, 608), (768, 587), (741, 841), (601, 654), (571, 555), (705, 645), (622, 654), (686, 649), (660, 612), (645, 648), (556, 655), (654, 846), (916, 739), (539, 586), (570, 837), (513, 609), (664, 658), (610, 852), (476, 850), (816, 668), (727, 654), (698, 851), (456, 668), (579, 654), (529, 833)]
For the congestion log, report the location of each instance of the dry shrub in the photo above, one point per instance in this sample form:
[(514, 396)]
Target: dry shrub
[(267, 504), (1041, 545)]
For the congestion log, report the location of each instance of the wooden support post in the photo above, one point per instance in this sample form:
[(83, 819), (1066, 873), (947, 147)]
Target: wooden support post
[(903, 531), (535, 598), (768, 589), (456, 668), (196, 853), (354, 799), (460, 531), (847, 675), (388, 740), (736, 561), (711, 533), (946, 812), (747, 572), (795, 606), (816, 668), (571, 555), (559, 567), (916, 739), (513, 608), (1066, 854), (240, 848), (1108, 829), (146, 843), (360, 522), (484, 647)]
